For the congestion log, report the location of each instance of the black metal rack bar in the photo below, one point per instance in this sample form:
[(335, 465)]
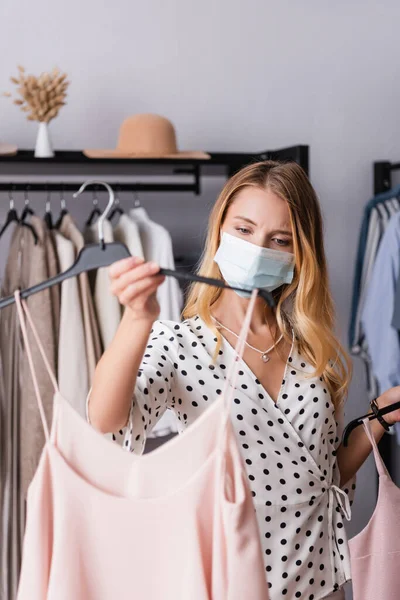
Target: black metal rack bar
[(121, 187)]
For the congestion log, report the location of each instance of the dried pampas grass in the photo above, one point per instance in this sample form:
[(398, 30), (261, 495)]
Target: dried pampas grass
[(41, 98)]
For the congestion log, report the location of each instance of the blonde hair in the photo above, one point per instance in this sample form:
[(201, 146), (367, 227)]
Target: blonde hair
[(305, 305)]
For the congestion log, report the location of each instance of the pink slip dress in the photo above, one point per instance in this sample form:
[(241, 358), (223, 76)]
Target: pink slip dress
[(176, 524), (375, 551)]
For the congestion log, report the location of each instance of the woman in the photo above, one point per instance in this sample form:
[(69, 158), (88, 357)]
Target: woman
[(265, 230)]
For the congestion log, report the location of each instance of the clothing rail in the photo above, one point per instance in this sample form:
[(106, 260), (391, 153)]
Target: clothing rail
[(119, 187)]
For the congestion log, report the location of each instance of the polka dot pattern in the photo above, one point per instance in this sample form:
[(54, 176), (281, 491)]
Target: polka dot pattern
[(288, 448)]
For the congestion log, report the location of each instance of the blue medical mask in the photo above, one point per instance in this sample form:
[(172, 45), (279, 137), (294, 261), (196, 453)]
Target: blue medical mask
[(248, 266)]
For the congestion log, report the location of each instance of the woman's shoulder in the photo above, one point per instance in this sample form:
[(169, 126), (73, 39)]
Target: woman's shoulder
[(174, 331)]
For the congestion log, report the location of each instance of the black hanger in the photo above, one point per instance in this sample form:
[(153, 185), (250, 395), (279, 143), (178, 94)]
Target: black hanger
[(48, 217), (12, 217), (117, 210), (27, 209), (64, 210), (95, 256), (95, 212), (370, 416)]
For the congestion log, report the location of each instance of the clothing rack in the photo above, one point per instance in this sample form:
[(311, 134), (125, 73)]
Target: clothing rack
[(382, 183), (383, 175), (77, 165), (119, 187)]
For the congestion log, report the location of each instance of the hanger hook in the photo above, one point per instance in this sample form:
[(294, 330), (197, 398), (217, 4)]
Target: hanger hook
[(117, 193), (48, 203), (26, 196), (136, 201), (62, 198), (11, 198), (109, 206)]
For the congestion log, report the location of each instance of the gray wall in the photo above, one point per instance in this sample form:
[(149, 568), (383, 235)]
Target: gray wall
[(235, 76)]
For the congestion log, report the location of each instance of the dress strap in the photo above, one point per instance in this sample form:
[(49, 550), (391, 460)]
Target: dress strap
[(21, 309), (380, 465), (231, 379)]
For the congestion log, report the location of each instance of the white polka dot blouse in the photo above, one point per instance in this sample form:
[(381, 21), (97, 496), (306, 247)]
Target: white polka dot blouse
[(289, 449)]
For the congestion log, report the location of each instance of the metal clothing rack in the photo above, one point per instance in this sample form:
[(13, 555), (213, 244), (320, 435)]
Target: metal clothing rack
[(72, 187), (383, 170), (383, 175), (75, 163)]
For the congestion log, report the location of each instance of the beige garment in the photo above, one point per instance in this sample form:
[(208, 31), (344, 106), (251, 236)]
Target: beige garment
[(27, 264), (92, 337), (108, 308), (127, 232), (12, 502), (53, 268), (72, 360), (5, 447), (38, 263)]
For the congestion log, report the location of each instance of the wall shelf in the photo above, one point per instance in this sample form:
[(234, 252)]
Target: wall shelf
[(71, 163)]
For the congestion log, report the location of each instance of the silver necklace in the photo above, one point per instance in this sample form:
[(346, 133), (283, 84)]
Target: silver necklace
[(264, 354)]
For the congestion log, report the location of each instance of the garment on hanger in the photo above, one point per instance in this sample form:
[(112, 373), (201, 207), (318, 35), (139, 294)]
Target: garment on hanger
[(12, 513), (127, 232), (53, 268), (92, 336), (108, 308), (37, 262), (5, 244), (27, 264), (208, 547), (375, 551), (396, 308), (3, 479), (377, 215), (157, 246), (72, 362), (381, 338)]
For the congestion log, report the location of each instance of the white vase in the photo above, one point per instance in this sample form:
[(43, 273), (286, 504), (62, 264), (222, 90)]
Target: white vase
[(43, 147)]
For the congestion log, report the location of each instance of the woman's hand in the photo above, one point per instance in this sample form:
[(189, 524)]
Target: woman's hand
[(390, 397), (135, 284)]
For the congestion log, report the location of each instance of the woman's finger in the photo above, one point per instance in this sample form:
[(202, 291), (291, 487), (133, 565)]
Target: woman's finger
[(143, 287), (124, 265), (136, 274)]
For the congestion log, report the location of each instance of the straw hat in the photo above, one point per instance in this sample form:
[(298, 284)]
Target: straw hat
[(8, 150), (146, 136)]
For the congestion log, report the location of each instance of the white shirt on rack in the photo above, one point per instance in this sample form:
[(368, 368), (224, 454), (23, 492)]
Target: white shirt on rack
[(127, 232), (157, 246)]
